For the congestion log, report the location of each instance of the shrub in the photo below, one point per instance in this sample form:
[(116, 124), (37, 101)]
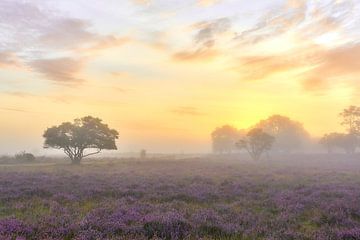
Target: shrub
[(24, 157)]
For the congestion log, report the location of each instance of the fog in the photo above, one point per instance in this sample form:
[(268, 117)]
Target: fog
[(272, 180)]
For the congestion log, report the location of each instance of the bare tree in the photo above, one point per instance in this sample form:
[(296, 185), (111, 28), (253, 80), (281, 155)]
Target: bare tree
[(351, 119), (256, 143)]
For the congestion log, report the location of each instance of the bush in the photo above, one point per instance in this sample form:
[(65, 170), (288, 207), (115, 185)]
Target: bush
[(24, 157)]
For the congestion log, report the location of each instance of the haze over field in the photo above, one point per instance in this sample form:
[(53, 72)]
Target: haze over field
[(180, 119), (167, 73)]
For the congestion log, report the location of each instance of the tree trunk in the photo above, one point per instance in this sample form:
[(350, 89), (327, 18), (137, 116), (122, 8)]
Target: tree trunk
[(75, 161)]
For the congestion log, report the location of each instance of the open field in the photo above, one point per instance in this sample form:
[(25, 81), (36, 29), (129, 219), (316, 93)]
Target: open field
[(302, 197)]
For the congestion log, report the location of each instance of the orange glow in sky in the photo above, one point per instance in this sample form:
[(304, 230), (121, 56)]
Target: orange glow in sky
[(166, 73)]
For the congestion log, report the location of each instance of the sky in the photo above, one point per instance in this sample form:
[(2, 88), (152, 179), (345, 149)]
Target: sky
[(165, 73)]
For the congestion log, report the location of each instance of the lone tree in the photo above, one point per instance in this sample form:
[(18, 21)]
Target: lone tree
[(75, 138), (256, 143)]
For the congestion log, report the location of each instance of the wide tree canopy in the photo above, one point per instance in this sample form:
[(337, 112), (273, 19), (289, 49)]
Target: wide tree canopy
[(289, 135), (87, 133), (224, 138)]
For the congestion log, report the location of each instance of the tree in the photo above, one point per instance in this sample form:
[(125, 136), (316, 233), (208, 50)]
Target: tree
[(289, 135), (24, 157), (329, 141), (224, 139), (256, 143), (143, 154), (81, 135), (351, 119), (347, 142)]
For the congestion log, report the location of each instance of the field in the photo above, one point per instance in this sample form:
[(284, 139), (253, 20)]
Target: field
[(294, 197)]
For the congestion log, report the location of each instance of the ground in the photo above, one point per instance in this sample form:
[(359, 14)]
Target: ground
[(211, 197)]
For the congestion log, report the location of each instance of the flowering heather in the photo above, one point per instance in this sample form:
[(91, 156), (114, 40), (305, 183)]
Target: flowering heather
[(317, 198)]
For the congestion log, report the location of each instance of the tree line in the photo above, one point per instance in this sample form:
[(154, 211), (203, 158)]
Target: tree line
[(89, 136), (278, 133), (283, 135), (348, 141)]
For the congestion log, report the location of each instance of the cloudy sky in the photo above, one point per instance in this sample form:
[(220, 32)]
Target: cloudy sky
[(164, 73)]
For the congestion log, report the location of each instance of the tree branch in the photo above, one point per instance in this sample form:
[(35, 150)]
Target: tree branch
[(89, 154)]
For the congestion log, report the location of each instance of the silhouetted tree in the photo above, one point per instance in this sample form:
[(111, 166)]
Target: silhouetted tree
[(330, 141), (143, 154), (256, 143), (351, 119), (85, 133), (346, 142), (289, 135), (24, 157), (224, 139)]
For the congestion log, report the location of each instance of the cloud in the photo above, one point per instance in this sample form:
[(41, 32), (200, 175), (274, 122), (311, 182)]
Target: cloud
[(19, 94), (308, 19), (208, 30), (207, 3), (9, 59), (59, 70), (120, 74), (204, 40), (334, 65), (151, 126), (142, 2), (34, 34), (108, 42), (342, 60), (275, 22), (186, 110), (327, 18), (46, 28), (261, 67), (199, 54), (68, 33), (19, 21), (12, 109), (316, 68), (314, 84)]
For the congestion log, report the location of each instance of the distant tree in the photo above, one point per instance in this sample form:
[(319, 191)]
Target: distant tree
[(351, 119), (75, 138), (289, 135), (347, 142), (143, 154), (329, 141), (224, 139), (24, 157), (256, 143)]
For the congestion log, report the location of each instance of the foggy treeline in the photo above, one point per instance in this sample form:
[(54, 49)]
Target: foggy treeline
[(285, 135), (276, 134)]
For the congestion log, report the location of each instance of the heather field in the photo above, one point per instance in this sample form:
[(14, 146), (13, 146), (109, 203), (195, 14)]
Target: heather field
[(294, 197)]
